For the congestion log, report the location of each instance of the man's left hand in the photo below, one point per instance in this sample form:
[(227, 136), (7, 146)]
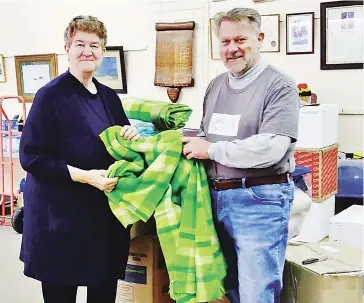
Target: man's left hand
[(195, 148), (129, 132)]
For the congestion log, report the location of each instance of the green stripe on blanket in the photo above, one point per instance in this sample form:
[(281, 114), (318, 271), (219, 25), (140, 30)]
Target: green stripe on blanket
[(155, 178), (164, 115)]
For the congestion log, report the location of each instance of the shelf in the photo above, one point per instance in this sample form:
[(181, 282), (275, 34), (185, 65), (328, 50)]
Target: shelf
[(9, 194), (15, 162), (13, 133)]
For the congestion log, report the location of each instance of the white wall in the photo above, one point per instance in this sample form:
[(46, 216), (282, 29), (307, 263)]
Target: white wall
[(38, 28)]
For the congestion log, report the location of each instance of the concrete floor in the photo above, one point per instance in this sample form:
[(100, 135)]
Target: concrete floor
[(14, 286)]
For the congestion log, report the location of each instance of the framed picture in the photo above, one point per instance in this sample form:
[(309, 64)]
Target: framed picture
[(300, 29), (2, 69), (341, 35), (111, 71), (33, 72), (270, 28), (214, 42)]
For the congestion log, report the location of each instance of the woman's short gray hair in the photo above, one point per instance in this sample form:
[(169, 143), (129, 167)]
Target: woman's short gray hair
[(237, 15), (88, 24)]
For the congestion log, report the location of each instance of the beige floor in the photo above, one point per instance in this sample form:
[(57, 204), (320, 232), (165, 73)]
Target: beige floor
[(14, 286)]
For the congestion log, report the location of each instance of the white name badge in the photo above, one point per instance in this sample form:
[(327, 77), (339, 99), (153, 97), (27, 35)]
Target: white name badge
[(224, 125)]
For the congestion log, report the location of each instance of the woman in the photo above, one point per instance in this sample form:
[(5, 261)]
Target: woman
[(70, 236)]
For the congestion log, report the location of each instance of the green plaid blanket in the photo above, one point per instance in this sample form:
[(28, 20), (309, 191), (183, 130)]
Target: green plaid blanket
[(155, 178), (164, 115)]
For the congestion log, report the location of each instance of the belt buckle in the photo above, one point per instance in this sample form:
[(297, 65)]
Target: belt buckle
[(215, 181), (214, 185)]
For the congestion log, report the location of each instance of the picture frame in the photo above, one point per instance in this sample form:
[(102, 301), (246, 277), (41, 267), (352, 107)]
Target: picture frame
[(111, 71), (341, 35), (300, 33), (33, 72), (2, 69), (271, 30), (214, 42)]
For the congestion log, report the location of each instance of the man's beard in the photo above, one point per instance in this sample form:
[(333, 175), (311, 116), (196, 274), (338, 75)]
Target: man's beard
[(243, 65)]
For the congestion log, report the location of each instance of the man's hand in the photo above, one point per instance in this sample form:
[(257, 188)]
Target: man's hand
[(129, 133), (195, 148)]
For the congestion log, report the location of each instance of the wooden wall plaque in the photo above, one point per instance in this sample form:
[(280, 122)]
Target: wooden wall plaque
[(173, 58)]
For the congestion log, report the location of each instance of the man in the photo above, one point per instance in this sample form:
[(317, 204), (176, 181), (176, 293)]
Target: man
[(250, 122)]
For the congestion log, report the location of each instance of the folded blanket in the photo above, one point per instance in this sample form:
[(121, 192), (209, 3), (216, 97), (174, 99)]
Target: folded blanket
[(164, 115), (154, 178)]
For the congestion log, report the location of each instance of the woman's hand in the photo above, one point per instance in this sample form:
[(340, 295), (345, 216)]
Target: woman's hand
[(129, 133), (96, 178)]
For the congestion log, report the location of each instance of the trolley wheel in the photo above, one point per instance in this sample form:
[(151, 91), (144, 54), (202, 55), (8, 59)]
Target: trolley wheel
[(17, 220)]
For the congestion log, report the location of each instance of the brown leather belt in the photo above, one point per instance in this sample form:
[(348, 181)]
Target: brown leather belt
[(222, 184)]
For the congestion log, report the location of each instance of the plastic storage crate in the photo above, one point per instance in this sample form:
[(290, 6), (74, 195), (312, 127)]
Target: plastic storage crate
[(13, 124), (350, 178), (350, 184)]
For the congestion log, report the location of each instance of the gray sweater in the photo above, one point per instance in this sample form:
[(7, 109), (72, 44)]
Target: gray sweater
[(252, 123)]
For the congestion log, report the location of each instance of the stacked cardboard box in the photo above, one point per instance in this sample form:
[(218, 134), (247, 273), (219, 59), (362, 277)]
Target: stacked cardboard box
[(336, 275), (141, 228), (323, 163), (317, 148), (338, 279), (146, 279)]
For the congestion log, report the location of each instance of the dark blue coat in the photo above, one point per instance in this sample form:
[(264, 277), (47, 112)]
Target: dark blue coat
[(70, 235)]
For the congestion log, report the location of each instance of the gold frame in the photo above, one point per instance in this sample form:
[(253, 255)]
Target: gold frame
[(278, 32), (212, 35), (51, 59), (2, 62)]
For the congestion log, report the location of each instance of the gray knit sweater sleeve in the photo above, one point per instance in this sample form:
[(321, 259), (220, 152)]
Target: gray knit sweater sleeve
[(258, 151)]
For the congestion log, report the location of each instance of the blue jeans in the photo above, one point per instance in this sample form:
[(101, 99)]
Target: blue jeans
[(252, 225)]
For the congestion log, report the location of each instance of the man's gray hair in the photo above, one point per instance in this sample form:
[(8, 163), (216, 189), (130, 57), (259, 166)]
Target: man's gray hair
[(237, 15)]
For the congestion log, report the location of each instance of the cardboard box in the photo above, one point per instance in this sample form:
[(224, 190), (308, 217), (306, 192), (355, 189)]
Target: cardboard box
[(146, 279), (336, 280), (316, 224), (323, 164), (141, 228), (318, 126), (347, 226)]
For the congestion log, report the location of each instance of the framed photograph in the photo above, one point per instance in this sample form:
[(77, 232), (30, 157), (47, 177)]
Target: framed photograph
[(341, 35), (2, 69), (33, 72), (214, 42), (300, 29), (270, 28), (111, 71)]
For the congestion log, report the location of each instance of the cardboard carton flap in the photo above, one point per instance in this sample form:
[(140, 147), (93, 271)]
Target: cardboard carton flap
[(342, 260)]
